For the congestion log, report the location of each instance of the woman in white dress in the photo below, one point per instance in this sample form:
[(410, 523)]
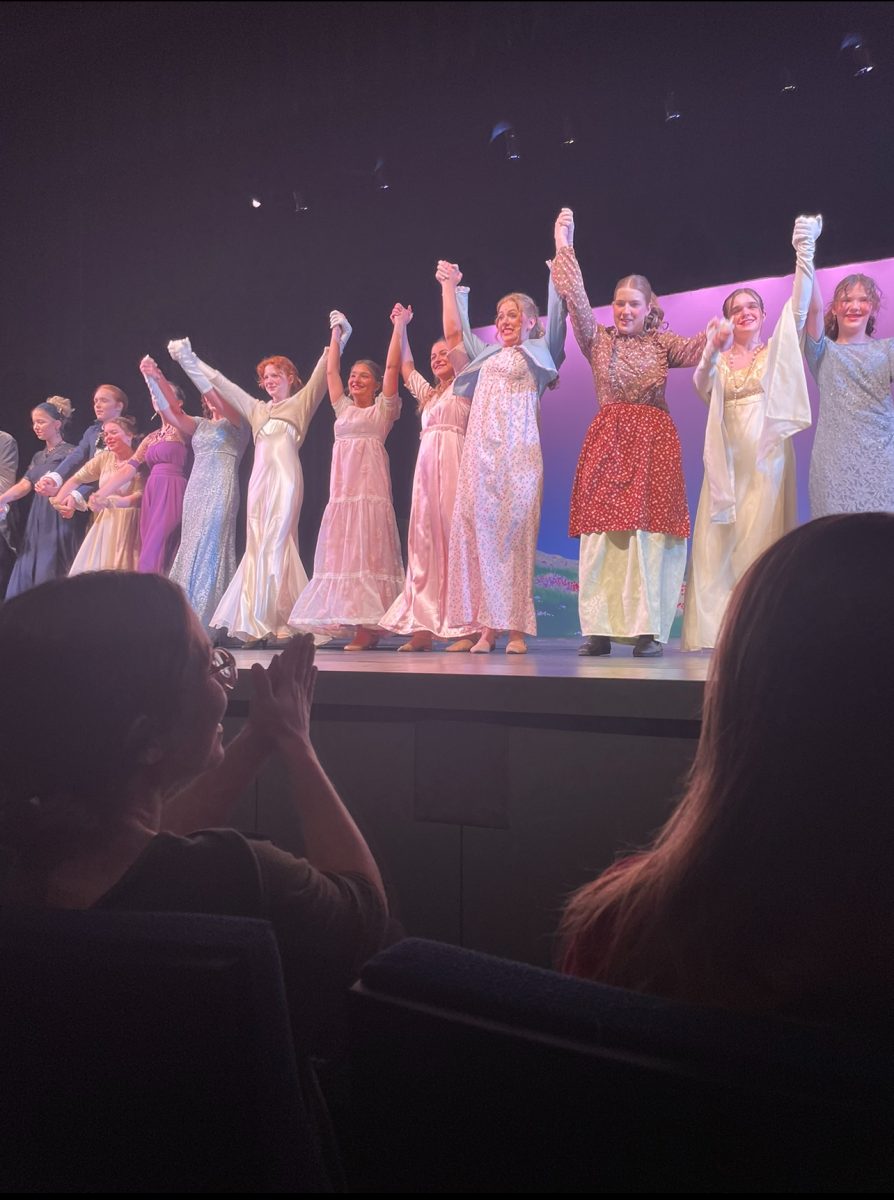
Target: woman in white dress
[(256, 606), (113, 540), (358, 571), (757, 398)]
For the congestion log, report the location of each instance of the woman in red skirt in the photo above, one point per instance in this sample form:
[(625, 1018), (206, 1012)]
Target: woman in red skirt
[(628, 506)]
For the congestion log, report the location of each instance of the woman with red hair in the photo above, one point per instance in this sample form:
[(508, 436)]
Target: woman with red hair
[(256, 606)]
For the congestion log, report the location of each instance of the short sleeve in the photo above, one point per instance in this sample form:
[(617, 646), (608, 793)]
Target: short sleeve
[(419, 387), (341, 404), (814, 349)]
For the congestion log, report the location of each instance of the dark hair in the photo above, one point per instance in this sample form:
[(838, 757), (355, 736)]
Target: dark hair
[(873, 292), (116, 644), (375, 367), (727, 307), (771, 885)]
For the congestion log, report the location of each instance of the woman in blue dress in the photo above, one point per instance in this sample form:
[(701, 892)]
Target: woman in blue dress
[(206, 560), (50, 541)]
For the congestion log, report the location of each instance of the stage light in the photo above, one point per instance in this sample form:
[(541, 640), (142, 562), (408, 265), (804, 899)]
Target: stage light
[(787, 81), (255, 202), (499, 129), (379, 172), (513, 149), (299, 202), (862, 62), (671, 112), (568, 138)]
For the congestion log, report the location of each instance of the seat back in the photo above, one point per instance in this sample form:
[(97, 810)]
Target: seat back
[(471, 1073), (149, 1052)]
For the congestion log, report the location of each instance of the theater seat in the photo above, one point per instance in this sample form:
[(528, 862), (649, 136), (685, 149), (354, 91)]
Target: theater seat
[(474, 1074), (147, 1052)]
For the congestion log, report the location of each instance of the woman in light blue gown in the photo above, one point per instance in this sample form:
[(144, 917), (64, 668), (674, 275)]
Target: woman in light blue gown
[(206, 559)]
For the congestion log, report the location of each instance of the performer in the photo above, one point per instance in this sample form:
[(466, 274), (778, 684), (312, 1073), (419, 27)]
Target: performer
[(9, 465), (164, 453), (256, 605), (757, 398), (421, 609), (206, 560), (108, 401), (358, 571), (493, 540), (852, 465), (113, 540), (49, 543), (628, 505)]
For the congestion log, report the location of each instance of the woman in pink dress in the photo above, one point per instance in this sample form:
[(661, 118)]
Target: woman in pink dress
[(357, 565), (421, 609)]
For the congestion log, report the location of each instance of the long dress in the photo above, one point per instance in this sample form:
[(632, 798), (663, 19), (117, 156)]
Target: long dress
[(113, 540), (422, 605), (748, 498), (852, 464), (164, 453), (271, 576), (49, 543), (628, 504), (493, 540), (358, 572), (206, 560)]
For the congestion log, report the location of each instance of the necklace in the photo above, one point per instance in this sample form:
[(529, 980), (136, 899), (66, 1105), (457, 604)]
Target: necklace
[(739, 387)]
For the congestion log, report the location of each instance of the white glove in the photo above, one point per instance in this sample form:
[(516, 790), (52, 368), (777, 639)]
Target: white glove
[(160, 401), (337, 318), (564, 229), (182, 352), (804, 236)]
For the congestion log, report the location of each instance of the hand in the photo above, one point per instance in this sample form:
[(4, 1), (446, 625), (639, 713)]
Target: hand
[(149, 368), (65, 508), (401, 315), (720, 335), (46, 486), (449, 273), (180, 349), (339, 320), (282, 695), (564, 229), (806, 231), (97, 503)]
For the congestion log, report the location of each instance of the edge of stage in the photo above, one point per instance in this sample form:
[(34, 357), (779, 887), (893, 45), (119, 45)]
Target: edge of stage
[(489, 786)]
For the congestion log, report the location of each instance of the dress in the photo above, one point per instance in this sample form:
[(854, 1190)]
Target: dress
[(493, 540), (423, 603), (49, 543), (358, 572), (113, 540), (206, 560), (270, 577), (852, 465), (748, 498), (164, 453), (628, 504)]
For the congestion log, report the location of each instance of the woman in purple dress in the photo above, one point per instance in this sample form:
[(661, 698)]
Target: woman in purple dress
[(164, 452)]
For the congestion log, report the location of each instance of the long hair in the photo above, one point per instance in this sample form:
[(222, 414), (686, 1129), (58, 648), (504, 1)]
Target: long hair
[(873, 291), (727, 306), (771, 885), (116, 646), (281, 363)]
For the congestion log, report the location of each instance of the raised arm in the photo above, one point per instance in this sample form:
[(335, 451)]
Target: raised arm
[(333, 366), (718, 337), (567, 279), (556, 324), (164, 400), (400, 317), (237, 403), (455, 304), (807, 301)]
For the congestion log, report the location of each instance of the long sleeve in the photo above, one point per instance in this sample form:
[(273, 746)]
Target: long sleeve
[(302, 406), (556, 324), (233, 394), (569, 285), (84, 450), (683, 351), (706, 373), (91, 470), (472, 343), (9, 461), (787, 408)]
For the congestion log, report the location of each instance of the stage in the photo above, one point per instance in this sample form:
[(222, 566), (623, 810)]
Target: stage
[(490, 785)]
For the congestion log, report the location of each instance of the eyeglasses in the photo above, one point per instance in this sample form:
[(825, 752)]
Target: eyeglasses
[(223, 668)]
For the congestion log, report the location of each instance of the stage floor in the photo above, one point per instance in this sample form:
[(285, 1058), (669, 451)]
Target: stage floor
[(551, 680)]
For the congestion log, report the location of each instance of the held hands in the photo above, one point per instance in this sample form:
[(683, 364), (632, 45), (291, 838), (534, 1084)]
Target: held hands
[(400, 315), (180, 350), (46, 486), (564, 229), (719, 335), (149, 368), (448, 273), (338, 320), (97, 504), (806, 232), (282, 695)]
